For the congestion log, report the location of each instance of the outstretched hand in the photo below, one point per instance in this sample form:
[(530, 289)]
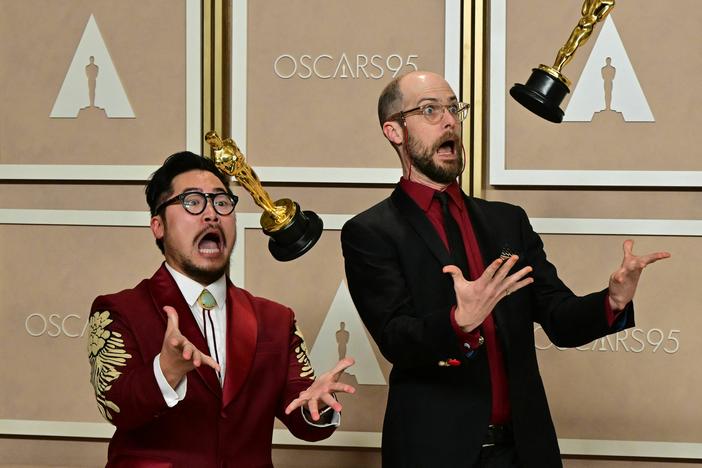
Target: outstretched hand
[(321, 390), (178, 355), (476, 299), (623, 282)]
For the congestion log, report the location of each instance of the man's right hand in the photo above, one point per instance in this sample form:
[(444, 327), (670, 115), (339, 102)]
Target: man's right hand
[(178, 355), (476, 299)]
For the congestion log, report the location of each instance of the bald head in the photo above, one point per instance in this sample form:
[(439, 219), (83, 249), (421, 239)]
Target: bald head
[(404, 89)]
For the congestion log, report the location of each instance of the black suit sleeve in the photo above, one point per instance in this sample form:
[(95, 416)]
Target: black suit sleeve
[(567, 319)]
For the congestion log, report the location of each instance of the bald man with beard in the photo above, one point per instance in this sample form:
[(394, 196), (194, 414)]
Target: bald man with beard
[(450, 287)]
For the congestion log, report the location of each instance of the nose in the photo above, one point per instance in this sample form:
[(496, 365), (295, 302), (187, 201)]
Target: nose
[(210, 214), (448, 120)]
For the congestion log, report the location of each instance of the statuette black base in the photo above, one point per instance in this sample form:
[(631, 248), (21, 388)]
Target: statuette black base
[(542, 94), (297, 237)]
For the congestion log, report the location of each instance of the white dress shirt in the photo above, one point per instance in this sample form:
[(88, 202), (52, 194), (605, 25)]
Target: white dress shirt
[(191, 290)]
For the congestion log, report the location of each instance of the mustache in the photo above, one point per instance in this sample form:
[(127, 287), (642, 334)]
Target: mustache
[(447, 136), (209, 228)]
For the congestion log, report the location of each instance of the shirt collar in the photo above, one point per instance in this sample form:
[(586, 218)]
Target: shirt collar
[(191, 289), (423, 195)]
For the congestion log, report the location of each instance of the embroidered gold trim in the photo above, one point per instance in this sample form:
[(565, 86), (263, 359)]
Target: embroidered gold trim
[(106, 353), (301, 355)]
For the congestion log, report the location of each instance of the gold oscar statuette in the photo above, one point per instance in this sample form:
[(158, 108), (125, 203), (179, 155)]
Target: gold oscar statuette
[(547, 86), (292, 231)]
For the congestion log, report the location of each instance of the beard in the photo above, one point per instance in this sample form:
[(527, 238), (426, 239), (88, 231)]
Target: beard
[(203, 275), (422, 158)]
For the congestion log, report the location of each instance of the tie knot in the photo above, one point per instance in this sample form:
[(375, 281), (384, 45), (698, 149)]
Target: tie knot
[(206, 300), (443, 199)]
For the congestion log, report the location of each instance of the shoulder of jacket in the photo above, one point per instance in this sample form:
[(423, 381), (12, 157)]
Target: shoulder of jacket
[(376, 213), (495, 205), (115, 301), (259, 303)]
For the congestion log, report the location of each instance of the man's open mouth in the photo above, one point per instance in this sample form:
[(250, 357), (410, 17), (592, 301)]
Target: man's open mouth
[(447, 147), (211, 242)]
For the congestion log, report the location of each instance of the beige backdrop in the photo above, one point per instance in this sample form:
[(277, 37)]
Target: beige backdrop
[(147, 49), (329, 118), (662, 61), (608, 390)]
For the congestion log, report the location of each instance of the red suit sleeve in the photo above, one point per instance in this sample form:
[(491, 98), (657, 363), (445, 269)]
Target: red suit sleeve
[(299, 377), (122, 375)]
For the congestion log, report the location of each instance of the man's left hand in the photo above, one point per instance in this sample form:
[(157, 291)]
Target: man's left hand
[(622, 283), (321, 391)]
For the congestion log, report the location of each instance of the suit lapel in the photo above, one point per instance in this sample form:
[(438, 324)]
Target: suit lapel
[(488, 241), (416, 217), (242, 331), (165, 292), (481, 227)]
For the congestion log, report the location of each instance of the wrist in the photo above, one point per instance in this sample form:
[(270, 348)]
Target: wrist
[(463, 322), (616, 305), (468, 328), (173, 380), (172, 377)]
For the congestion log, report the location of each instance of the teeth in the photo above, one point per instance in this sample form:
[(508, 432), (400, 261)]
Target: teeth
[(208, 246)]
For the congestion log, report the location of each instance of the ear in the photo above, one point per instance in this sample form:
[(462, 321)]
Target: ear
[(157, 227), (394, 132)]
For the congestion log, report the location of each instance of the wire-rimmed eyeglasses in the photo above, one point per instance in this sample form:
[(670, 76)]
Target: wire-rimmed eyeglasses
[(196, 202), (434, 112)]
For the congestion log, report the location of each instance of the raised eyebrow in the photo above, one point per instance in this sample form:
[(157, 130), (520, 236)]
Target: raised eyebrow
[(430, 99), (452, 100), (191, 189), (201, 190)]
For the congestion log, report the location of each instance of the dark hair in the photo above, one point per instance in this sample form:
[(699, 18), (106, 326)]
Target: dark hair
[(160, 185), (390, 100)]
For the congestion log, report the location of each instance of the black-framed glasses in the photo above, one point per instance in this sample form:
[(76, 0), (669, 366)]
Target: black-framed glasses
[(434, 112), (196, 202)]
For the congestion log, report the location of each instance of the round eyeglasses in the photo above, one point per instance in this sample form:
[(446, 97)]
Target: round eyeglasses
[(196, 202), (433, 112)]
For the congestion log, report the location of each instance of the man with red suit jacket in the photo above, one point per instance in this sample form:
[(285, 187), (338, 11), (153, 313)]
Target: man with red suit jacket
[(191, 369)]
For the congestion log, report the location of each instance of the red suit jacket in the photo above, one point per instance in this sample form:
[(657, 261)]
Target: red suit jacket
[(267, 367)]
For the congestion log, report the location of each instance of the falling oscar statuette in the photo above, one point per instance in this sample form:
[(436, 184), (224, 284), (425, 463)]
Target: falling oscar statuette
[(292, 231), (547, 86)]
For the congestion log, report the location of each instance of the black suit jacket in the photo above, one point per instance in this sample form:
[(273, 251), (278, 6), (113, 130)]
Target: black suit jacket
[(437, 416)]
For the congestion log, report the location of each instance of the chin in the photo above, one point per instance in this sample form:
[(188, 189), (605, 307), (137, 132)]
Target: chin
[(208, 272)]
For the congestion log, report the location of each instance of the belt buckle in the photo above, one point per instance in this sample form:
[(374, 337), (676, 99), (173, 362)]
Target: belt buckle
[(493, 435)]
